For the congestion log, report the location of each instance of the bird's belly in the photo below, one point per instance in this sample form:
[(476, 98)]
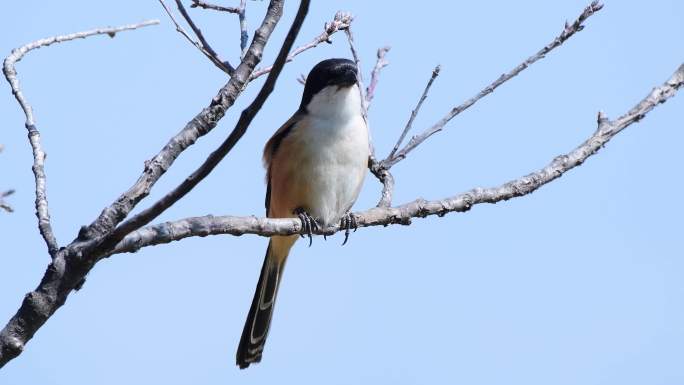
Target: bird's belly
[(324, 176)]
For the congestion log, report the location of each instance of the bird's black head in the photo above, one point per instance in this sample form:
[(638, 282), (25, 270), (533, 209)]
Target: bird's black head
[(330, 72)]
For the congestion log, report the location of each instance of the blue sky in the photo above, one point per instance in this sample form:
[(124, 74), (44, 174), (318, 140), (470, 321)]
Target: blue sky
[(578, 283)]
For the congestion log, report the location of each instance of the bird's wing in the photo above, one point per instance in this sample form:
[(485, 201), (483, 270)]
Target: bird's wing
[(270, 150)]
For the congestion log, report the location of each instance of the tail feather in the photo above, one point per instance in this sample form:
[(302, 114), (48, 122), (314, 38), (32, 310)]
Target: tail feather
[(259, 318)]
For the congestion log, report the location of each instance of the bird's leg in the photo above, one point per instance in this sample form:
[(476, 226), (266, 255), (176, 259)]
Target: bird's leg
[(347, 223), (309, 224)]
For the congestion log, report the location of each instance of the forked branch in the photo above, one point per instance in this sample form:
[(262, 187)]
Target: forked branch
[(10, 72), (568, 31)]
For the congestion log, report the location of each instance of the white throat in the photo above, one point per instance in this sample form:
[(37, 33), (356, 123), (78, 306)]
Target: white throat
[(337, 103)]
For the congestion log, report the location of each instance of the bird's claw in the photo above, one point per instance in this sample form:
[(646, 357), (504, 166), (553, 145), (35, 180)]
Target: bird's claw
[(309, 224), (347, 223)]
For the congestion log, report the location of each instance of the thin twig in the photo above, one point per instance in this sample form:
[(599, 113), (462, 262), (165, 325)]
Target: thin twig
[(359, 76), (244, 36), (568, 31), (4, 205), (380, 63), (340, 22), (202, 44), (240, 11), (205, 5), (10, 72), (419, 208), (414, 113)]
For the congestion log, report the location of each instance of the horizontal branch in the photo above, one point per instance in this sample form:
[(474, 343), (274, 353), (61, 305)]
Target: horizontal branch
[(205, 5), (419, 208)]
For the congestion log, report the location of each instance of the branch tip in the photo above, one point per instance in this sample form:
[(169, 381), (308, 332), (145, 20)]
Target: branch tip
[(568, 31)]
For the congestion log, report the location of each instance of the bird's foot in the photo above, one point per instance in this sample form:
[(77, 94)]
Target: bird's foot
[(309, 224), (347, 223)]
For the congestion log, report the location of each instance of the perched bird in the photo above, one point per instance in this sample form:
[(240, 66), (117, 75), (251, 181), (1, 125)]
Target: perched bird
[(315, 166)]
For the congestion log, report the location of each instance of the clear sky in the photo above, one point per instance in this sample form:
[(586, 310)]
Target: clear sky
[(578, 283)]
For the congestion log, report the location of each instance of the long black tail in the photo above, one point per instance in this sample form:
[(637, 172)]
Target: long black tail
[(260, 313)]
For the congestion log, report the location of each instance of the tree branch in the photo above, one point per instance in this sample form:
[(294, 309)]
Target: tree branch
[(4, 205), (10, 72), (568, 31), (414, 113), (248, 114), (205, 5), (419, 208), (240, 11), (244, 36), (200, 125), (380, 63), (70, 264), (340, 22), (359, 74), (202, 44)]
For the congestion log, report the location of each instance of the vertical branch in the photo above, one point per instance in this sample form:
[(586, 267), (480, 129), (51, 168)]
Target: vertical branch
[(244, 36), (10, 72), (375, 74), (359, 77)]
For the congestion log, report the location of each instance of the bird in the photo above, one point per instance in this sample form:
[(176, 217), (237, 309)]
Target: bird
[(315, 166)]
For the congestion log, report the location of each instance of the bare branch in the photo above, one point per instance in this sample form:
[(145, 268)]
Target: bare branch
[(340, 22), (359, 76), (419, 208), (240, 11), (72, 263), (380, 63), (200, 125), (10, 72), (568, 31), (385, 177), (4, 205), (414, 113), (205, 5), (202, 44), (215, 157), (244, 36)]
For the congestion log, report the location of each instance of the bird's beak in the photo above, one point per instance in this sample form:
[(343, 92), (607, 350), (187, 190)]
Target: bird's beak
[(349, 78)]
